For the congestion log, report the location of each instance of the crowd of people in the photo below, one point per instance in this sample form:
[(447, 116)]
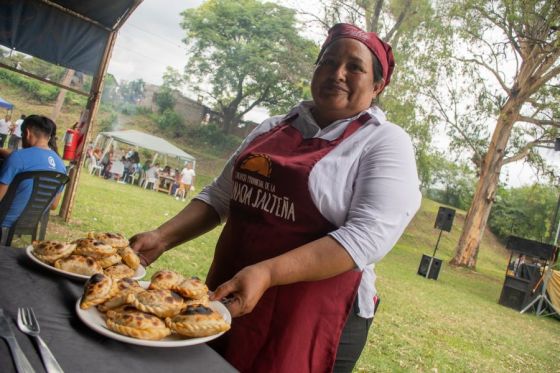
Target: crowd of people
[(127, 168)]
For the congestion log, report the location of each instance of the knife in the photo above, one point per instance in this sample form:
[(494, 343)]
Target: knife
[(21, 362)]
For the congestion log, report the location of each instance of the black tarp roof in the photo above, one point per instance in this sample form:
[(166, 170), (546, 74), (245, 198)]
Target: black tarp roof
[(70, 33)]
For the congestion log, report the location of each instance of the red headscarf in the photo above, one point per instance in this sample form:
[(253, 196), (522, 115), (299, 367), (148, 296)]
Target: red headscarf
[(378, 47)]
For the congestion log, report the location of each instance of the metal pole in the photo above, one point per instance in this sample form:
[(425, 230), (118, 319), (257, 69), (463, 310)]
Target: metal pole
[(433, 255)]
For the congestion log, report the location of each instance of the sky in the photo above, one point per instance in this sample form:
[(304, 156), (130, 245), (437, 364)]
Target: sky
[(151, 39)]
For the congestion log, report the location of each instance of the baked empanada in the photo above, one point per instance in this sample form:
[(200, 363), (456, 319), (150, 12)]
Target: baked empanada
[(162, 303), (81, 265), (126, 289), (129, 257), (119, 271), (93, 248), (165, 279), (50, 251), (136, 324), (109, 261), (197, 321), (116, 240), (192, 288), (98, 289)]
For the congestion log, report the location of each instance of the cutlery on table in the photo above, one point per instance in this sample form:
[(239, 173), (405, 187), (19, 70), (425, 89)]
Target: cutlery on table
[(27, 323), (20, 361)]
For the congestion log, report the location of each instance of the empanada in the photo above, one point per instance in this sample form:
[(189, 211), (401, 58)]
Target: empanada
[(93, 248), (116, 240), (98, 289), (197, 321), (119, 271), (129, 257), (192, 288), (165, 279), (136, 324), (78, 264), (162, 303), (109, 261), (126, 289), (50, 251)]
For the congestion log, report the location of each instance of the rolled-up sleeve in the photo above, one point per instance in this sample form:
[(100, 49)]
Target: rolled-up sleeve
[(386, 197)]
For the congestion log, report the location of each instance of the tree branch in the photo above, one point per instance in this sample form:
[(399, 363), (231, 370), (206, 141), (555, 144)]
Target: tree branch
[(539, 122), (495, 73)]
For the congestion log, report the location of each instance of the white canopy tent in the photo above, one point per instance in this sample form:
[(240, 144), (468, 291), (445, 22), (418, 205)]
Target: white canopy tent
[(146, 141)]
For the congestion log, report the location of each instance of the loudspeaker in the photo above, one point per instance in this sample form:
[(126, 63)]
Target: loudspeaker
[(434, 269), (517, 292), (444, 219)]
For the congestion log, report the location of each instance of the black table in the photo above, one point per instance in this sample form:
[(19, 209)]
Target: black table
[(76, 347)]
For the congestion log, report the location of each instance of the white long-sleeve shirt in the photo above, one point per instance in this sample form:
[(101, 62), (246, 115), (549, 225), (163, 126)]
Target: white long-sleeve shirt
[(367, 186)]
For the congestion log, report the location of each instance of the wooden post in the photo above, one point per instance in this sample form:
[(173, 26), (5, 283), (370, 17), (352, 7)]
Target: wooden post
[(92, 106), (66, 80)]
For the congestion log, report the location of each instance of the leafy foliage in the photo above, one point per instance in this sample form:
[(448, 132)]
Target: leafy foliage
[(526, 212), (41, 92), (212, 137), (248, 54)]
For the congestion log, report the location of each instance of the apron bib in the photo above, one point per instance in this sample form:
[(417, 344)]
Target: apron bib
[(296, 327)]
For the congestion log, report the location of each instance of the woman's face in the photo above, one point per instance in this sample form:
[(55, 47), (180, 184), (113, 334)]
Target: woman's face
[(342, 84)]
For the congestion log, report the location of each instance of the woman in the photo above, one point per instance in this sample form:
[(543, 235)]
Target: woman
[(312, 200)]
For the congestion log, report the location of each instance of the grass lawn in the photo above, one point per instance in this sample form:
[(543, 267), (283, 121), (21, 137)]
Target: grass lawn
[(453, 324)]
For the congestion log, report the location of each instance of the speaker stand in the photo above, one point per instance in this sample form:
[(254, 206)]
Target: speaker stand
[(433, 255), (542, 298)]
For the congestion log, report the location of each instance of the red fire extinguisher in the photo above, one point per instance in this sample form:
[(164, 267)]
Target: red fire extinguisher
[(71, 141)]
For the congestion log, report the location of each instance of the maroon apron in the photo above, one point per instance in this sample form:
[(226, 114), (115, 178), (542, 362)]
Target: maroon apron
[(296, 327)]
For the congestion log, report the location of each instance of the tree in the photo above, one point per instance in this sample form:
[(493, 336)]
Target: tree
[(517, 44), (244, 54), (414, 30), (132, 91)]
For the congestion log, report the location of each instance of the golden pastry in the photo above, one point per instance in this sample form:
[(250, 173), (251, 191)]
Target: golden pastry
[(50, 251), (204, 300), (78, 264), (119, 271), (116, 240), (93, 248), (134, 323), (129, 257), (109, 261), (165, 279), (98, 289), (197, 321), (127, 287), (192, 288), (162, 303)]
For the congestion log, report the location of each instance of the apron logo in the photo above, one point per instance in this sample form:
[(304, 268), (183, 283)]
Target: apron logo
[(258, 163)]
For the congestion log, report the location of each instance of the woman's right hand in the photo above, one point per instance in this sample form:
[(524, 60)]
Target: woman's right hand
[(148, 245)]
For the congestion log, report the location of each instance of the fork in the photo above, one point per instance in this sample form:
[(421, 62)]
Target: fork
[(27, 323)]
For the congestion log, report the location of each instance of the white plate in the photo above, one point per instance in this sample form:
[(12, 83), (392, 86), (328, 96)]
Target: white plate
[(140, 272), (94, 319)]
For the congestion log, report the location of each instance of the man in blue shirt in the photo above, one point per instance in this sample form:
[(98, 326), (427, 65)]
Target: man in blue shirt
[(38, 133)]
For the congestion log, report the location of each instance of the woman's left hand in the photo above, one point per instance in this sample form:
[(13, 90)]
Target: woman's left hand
[(245, 289)]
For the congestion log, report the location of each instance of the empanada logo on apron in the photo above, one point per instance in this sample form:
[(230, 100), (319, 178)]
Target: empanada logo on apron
[(257, 163)]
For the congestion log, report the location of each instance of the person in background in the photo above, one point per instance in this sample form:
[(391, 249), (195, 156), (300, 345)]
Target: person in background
[(5, 125), (152, 175), (310, 200), (14, 142), (176, 182), (187, 180), (39, 153)]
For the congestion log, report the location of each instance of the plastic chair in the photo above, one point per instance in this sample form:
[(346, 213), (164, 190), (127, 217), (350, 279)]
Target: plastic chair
[(94, 166), (34, 217)]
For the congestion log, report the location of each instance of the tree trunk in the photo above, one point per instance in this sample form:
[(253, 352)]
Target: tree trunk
[(466, 252), (62, 94)]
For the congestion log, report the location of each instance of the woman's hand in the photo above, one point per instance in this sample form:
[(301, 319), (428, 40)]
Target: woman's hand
[(245, 289), (148, 245)]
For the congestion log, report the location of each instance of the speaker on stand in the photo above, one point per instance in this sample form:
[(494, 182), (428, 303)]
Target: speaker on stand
[(430, 265)]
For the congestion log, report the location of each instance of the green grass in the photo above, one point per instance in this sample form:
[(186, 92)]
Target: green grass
[(454, 324)]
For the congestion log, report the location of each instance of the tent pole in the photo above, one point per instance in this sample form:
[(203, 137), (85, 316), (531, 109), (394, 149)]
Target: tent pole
[(94, 100)]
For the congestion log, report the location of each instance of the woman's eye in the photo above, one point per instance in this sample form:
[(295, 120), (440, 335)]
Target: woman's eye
[(327, 62), (355, 67)]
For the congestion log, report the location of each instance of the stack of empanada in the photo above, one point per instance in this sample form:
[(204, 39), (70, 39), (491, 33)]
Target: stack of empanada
[(106, 253), (172, 304)]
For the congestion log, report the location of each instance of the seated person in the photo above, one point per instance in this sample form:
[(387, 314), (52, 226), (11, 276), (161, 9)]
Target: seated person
[(38, 154), (117, 169)]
